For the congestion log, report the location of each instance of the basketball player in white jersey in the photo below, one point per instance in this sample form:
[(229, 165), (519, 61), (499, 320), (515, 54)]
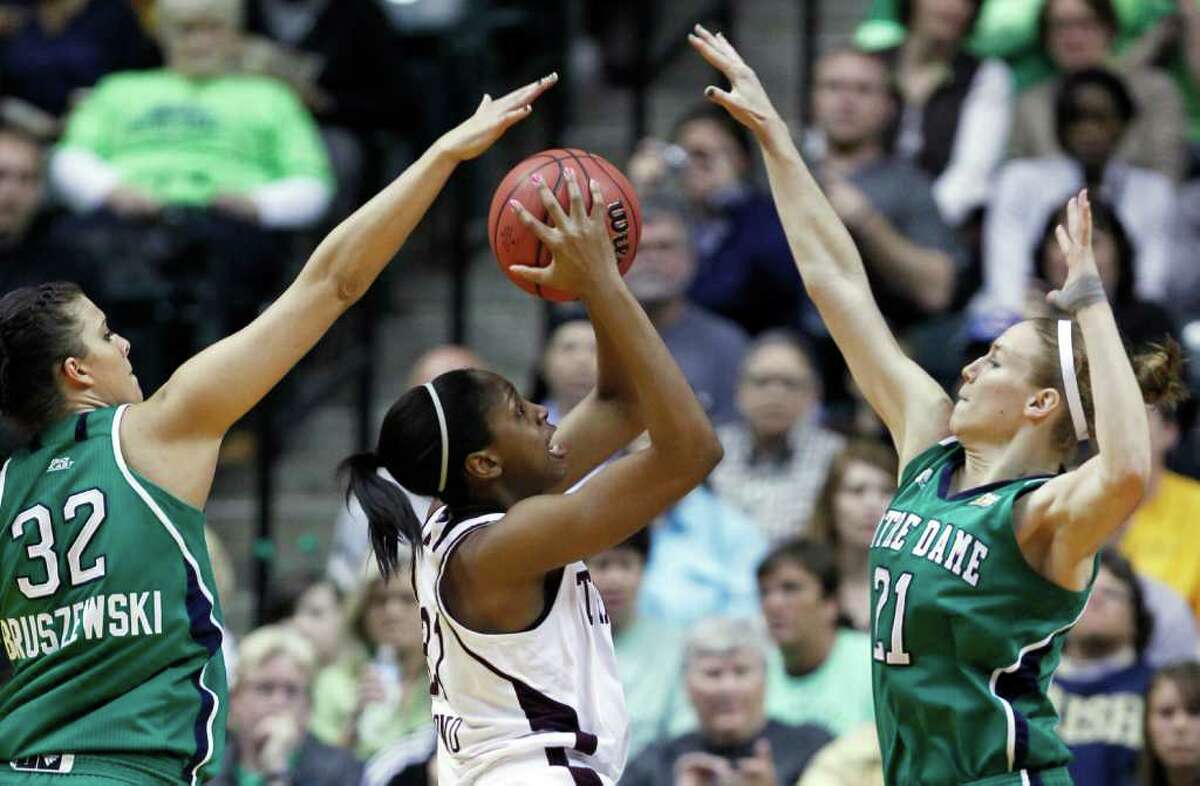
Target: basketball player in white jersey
[(523, 679)]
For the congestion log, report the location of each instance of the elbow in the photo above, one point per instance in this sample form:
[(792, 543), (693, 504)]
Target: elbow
[(705, 452), (1129, 481)]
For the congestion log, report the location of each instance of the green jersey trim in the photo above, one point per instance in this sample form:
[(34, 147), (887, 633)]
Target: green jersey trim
[(168, 525)]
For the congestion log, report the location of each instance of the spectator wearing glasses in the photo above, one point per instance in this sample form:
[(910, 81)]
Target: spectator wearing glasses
[(776, 456), (268, 717), (708, 347)]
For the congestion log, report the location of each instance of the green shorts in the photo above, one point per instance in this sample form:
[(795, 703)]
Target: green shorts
[(1054, 777), (91, 770)]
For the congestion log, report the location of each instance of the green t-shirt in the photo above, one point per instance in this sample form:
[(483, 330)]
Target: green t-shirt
[(335, 695), (185, 140), (650, 661), (836, 695)]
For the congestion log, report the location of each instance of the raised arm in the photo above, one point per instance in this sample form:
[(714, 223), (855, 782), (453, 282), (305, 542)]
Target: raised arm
[(912, 405), (548, 531), (214, 389), (1079, 510)]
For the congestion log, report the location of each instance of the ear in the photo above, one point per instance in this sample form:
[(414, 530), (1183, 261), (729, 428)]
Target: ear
[(1042, 404), (76, 374), (484, 465)]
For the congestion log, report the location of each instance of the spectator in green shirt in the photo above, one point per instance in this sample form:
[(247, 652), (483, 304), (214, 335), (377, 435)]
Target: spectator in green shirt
[(185, 177), (269, 709), (821, 672), (649, 652)]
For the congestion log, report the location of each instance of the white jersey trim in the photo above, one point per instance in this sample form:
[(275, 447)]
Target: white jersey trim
[(169, 526), (1009, 712), (4, 477)]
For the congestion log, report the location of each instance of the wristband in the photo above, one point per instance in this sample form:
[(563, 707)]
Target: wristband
[(1083, 291)]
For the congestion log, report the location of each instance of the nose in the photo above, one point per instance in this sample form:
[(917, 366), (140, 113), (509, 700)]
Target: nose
[(968, 372), (124, 344), (542, 413)]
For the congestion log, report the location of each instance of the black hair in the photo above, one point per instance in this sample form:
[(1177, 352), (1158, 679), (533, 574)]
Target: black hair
[(410, 449), (1102, 8), (1143, 620), (284, 596), (815, 558), (639, 542), (1066, 105), (781, 337), (38, 331), (905, 11), (715, 114), (1105, 219)]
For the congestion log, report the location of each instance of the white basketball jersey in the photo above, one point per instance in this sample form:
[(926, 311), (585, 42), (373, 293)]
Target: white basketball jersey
[(543, 706)]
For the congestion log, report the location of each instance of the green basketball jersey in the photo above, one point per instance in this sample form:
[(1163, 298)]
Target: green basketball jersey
[(111, 630), (966, 635)]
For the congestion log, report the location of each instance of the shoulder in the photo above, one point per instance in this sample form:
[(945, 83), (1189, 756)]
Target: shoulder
[(993, 72), (926, 461), (326, 764), (716, 327), (129, 81)]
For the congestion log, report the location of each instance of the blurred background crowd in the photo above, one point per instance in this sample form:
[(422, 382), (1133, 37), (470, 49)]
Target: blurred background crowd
[(179, 158)]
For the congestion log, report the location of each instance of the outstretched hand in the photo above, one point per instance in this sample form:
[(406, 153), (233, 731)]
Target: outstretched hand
[(1083, 285), (582, 252), (745, 99), (492, 118)]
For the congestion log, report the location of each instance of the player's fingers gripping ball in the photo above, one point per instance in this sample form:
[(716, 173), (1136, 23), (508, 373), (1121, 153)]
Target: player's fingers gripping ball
[(515, 244)]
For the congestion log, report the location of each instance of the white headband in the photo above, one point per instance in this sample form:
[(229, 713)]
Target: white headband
[(441, 416), (1066, 359)]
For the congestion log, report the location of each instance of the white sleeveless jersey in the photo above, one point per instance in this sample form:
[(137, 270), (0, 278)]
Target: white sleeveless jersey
[(543, 706)]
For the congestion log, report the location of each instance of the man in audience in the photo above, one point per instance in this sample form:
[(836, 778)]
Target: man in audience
[(776, 456), (708, 347), (724, 668), (912, 258), (822, 672), (1162, 539), (649, 652), (1099, 686), (744, 268), (268, 718), (1094, 110)]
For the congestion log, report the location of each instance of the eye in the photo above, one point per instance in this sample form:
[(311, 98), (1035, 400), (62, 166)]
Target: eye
[(993, 363), (108, 335)]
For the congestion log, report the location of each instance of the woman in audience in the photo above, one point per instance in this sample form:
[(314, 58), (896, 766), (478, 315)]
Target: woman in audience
[(1140, 321), (957, 108), (313, 606), (1078, 34), (377, 692), (861, 482), (1171, 756)]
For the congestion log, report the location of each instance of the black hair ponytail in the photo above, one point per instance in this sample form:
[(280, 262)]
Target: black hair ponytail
[(390, 515)]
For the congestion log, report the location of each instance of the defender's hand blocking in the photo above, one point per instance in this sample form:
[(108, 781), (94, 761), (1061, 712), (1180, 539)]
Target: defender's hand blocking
[(745, 100), (1083, 285), (491, 119), (582, 253)]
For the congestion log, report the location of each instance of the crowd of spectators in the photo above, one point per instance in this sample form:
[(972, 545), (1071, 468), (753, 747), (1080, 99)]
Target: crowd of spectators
[(171, 157)]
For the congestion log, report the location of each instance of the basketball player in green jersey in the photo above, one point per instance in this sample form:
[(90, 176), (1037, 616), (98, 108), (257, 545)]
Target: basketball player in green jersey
[(110, 633), (987, 552)]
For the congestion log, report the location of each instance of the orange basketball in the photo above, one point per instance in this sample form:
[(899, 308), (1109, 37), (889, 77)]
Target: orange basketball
[(513, 244)]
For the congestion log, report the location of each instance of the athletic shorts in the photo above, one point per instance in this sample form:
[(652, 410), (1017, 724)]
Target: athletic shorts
[(1054, 777)]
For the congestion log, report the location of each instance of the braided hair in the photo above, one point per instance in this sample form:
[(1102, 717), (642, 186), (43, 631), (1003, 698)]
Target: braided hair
[(38, 331)]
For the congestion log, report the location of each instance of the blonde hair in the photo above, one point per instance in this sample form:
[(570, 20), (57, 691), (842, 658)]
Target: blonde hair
[(1158, 367), (272, 641)]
